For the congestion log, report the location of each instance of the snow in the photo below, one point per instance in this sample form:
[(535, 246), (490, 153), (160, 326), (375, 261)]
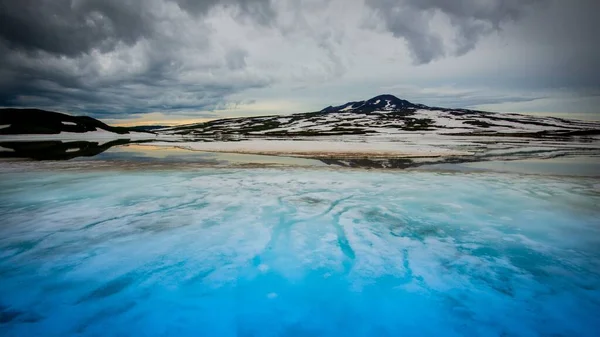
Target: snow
[(69, 123), (447, 123), (4, 149), (516, 125), (4, 126), (444, 122), (263, 252), (324, 127), (387, 105), (318, 148), (301, 124)]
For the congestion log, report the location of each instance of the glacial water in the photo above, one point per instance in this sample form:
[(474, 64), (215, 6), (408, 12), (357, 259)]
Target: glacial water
[(297, 252)]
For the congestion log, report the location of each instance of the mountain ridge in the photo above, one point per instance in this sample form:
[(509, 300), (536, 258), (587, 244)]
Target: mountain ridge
[(380, 127), (15, 121), (384, 102), (388, 114), (381, 115)]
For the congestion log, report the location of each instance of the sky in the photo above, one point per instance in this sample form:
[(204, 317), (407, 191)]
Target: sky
[(177, 61)]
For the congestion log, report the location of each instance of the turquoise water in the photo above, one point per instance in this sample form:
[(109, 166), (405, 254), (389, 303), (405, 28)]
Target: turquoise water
[(298, 252)]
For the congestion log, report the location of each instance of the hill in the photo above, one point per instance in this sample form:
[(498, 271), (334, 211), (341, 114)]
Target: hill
[(389, 115), (35, 121)]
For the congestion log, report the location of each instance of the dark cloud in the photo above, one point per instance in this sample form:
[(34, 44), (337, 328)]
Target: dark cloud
[(71, 28), (120, 57), (259, 10), (75, 86), (55, 54), (412, 20), (236, 59)]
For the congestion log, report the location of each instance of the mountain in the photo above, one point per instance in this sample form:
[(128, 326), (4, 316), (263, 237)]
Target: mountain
[(142, 128), (380, 132), (389, 115), (34, 121), (381, 115), (378, 103)]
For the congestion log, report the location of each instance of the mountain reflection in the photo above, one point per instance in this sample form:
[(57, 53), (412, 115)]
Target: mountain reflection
[(61, 150), (57, 150)]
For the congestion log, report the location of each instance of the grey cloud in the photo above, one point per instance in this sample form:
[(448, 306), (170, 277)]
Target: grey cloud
[(120, 57), (453, 97), (411, 24), (259, 10), (492, 11), (70, 27), (469, 33), (236, 59), (471, 20), (157, 89), (55, 54)]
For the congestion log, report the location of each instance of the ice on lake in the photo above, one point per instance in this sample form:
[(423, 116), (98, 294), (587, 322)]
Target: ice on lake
[(298, 252)]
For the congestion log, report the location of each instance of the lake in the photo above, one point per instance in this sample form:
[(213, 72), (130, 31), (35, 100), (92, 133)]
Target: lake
[(163, 242)]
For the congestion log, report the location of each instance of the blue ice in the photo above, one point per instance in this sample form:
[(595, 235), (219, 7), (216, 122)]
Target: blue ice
[(287, 252)]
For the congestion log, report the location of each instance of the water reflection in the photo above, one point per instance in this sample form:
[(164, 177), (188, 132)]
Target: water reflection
[(141, 151), (127, 150), (57, 150)]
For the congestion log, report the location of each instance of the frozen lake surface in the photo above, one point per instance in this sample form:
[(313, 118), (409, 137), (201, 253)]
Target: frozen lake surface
[(297, 252)]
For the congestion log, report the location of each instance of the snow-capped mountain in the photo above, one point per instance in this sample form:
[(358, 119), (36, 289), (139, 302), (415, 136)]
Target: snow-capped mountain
[(389, 115), (378, 103), (384, 128)]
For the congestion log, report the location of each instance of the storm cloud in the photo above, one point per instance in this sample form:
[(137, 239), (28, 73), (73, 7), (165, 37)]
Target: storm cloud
[(114, 56), (120, 57), (469, 20)]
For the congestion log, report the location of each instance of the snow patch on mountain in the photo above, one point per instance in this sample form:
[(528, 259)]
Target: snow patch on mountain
[(387, 114)]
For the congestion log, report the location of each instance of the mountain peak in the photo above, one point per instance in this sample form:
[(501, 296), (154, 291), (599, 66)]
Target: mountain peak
[(383, 103), (386, 97)]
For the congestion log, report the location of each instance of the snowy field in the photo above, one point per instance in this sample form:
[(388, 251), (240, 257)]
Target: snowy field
[(394, 146), (322, 147), (297, 252)]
